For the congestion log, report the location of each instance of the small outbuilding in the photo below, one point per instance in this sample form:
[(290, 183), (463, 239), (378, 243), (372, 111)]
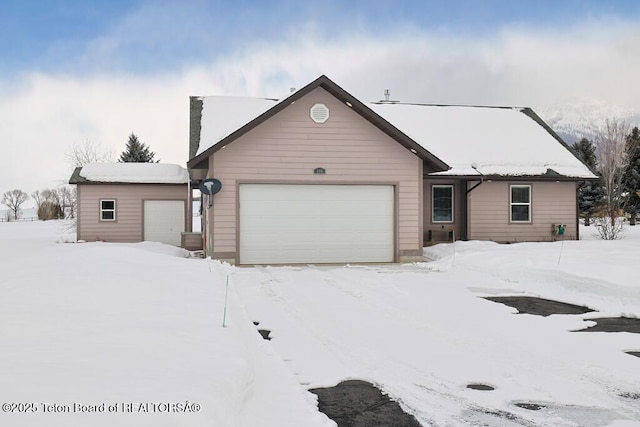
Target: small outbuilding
[(132, 202), (321, 177)]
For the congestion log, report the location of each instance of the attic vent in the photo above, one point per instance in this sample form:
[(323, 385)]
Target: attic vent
[(319, 113)]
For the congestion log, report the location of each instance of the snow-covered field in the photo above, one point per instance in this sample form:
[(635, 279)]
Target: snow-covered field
[(138, 328)]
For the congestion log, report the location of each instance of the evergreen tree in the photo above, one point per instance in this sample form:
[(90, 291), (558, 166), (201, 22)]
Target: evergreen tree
[(590, 193), (631, 179), (136, 152)]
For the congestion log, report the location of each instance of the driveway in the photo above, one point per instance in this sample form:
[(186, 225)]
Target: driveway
[(423, 334)]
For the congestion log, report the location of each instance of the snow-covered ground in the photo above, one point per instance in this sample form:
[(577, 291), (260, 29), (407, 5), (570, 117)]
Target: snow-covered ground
[(125, 324)]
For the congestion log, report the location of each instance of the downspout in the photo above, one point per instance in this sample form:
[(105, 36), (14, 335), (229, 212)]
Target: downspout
[(466, 207), (577, 210), (475, 186), (482, 177), (466, 199), (189, 207)]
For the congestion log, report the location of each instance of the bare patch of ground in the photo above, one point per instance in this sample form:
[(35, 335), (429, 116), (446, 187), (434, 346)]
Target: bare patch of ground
[(358, 403), (481, 387), (614, 324), (539, 306)]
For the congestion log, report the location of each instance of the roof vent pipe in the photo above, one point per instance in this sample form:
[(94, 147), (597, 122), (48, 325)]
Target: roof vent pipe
[(387, 98)]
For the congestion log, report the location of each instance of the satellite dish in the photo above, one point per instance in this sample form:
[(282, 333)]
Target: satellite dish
[(210, 186)]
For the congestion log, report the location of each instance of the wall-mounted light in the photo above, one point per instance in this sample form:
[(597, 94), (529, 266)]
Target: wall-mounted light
[(349, 104), (319, 171)]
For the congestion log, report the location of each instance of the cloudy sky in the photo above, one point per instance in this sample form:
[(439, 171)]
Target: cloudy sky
[(79, 70)]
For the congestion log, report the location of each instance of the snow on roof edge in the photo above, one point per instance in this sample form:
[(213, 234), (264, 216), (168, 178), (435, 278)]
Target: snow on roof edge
[(435, 141), (135, 173)]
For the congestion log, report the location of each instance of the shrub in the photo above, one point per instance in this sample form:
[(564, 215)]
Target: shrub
[(50, 210)]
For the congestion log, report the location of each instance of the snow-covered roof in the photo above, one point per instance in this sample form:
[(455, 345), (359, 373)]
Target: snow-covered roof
[(473, 141), (135, 173), (483, 140), (223, 115)]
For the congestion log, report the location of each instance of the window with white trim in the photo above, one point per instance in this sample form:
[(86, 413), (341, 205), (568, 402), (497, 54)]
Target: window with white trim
[(442, 203), (520, 203), (107, 210)]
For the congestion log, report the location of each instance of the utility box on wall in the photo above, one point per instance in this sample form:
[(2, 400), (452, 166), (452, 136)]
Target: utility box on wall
[(558, 230)]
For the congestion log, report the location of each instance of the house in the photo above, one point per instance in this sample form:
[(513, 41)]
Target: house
[(133, 202), (321, 177)]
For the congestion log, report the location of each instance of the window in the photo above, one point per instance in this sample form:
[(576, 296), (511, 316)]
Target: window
[(520, 202), (442, 203), (107, 210)]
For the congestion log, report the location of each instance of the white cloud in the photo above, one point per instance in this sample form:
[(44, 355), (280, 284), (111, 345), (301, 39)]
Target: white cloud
[(42, 115)]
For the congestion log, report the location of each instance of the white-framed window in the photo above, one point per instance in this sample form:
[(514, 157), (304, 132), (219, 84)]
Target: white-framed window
[(442, 203), (107, 210), (520, 203)]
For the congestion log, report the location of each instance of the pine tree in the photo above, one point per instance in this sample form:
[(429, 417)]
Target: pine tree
[(136, 152), (590, 193), (631, 179)]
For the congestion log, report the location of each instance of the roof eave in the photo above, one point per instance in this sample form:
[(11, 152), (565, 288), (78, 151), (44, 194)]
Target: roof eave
[(87, 182), (511, 177), (76, 178), (532, 114)]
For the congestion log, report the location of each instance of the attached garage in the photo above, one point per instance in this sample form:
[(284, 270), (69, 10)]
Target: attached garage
[(314, 223), (164, 221), (320, 176)]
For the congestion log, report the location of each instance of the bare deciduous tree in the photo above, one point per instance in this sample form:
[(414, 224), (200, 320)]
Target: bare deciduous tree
[(37, 197), (88, 152), (610, 144), (13, 200), (67, 196)]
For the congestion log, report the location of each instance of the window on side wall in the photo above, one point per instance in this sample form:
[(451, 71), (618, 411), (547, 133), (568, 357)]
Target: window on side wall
[(107, 210), (520, 203), (442, 203)]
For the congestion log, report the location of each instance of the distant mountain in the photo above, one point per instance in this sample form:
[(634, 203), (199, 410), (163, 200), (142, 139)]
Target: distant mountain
[(581, 119)]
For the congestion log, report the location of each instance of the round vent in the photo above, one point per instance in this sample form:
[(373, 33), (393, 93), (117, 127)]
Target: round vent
[(319, 113)]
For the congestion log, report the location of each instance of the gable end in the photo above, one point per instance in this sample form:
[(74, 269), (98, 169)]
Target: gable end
[(200, 161)]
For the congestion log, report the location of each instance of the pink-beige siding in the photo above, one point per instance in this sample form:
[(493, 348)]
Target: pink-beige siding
[(191, 241), (551, 203), (128, 226), (440, 230), (288, 147)]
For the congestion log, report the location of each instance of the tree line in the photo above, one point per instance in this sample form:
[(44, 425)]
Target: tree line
[(614, 156), (60, 202)]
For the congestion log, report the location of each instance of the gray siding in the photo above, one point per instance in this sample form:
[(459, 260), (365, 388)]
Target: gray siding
[(552, 203), (287, 147), (129, 198)]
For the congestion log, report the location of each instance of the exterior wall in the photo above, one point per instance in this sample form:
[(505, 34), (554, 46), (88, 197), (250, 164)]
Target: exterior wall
[(128, 226), (551, 203), (289, 146), (440, 230)]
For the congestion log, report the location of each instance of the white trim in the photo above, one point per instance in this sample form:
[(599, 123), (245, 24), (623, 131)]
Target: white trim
[(450, 186), (512, 203), (103, 210)]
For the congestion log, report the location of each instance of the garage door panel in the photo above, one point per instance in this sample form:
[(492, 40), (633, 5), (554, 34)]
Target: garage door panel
[(316, 223), (164, 221)]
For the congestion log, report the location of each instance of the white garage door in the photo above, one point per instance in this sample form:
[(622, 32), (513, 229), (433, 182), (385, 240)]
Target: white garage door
[(163, 221), (286, 223)]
